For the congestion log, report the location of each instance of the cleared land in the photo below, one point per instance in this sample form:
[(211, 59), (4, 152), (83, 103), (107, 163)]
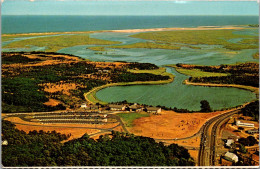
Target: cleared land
[(76, 130), (171, 124), (55, 43)]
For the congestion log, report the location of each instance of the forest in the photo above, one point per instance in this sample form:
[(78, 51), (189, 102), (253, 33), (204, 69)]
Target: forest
[(116, 149)]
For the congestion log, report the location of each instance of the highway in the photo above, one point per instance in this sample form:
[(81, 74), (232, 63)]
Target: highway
[(207, 152)]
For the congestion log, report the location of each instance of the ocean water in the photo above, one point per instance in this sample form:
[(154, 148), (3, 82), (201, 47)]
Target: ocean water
[(29, 24)]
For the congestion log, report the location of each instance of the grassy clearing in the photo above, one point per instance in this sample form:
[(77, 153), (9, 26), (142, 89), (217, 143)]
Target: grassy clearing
[(196, 37), (161, 71), (128, 118), (55, 43), (198, 73)]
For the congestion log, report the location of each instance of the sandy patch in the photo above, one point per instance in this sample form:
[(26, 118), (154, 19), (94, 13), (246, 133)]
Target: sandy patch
[(194, 154), (125, 31), (60, 87), (170, 125), (52, 102), (192, 142), (172, 29)]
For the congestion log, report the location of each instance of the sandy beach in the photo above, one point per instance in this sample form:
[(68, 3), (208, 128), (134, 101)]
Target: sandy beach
[(127, 30)]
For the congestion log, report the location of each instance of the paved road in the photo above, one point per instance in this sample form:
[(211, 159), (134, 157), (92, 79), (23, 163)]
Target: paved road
[(207, 155)]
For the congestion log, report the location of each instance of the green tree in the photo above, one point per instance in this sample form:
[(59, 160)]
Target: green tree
[(242, 148), (205, 107)]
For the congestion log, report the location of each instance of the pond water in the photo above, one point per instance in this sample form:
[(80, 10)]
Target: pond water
[(176, 94)]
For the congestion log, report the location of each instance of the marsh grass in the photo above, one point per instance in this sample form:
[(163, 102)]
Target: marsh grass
[(55, 43), (147, 45), (12, 37), (197, 37), (198, 73)]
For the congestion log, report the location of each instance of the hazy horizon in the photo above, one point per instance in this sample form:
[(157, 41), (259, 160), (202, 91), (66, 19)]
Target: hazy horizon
[(130, 8)]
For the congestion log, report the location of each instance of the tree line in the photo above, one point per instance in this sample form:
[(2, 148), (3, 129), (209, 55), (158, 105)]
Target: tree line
[(252, 110), (242, 74), (116, 149)]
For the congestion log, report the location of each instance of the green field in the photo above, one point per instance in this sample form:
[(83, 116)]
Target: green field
[(128, 118), (197, 72), (160, 71), (55, 43), (204, 37)]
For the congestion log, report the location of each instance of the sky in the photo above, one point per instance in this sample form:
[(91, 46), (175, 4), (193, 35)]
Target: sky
[(124, 7)]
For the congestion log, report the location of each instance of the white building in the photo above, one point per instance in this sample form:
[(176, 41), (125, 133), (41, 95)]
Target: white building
[(154, 109), (229, 142), (231, 156), (84, 105), (240, 124), (115, 107)]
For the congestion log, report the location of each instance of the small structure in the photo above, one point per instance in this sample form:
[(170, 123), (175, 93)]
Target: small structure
[(83, 105), (229, 142), (231, 156), (5, 143), (135, 107), (239, 123), (253, 131), (115, 107), (154, 109)]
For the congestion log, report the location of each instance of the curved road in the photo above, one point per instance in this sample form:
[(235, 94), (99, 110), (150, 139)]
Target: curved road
[(207, 150)]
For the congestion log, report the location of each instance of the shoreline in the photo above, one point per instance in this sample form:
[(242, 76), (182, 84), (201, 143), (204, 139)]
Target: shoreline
[(250, 88), (128, 30)]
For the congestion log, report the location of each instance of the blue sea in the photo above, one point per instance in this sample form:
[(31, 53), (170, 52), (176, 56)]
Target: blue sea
[(29, 24)]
